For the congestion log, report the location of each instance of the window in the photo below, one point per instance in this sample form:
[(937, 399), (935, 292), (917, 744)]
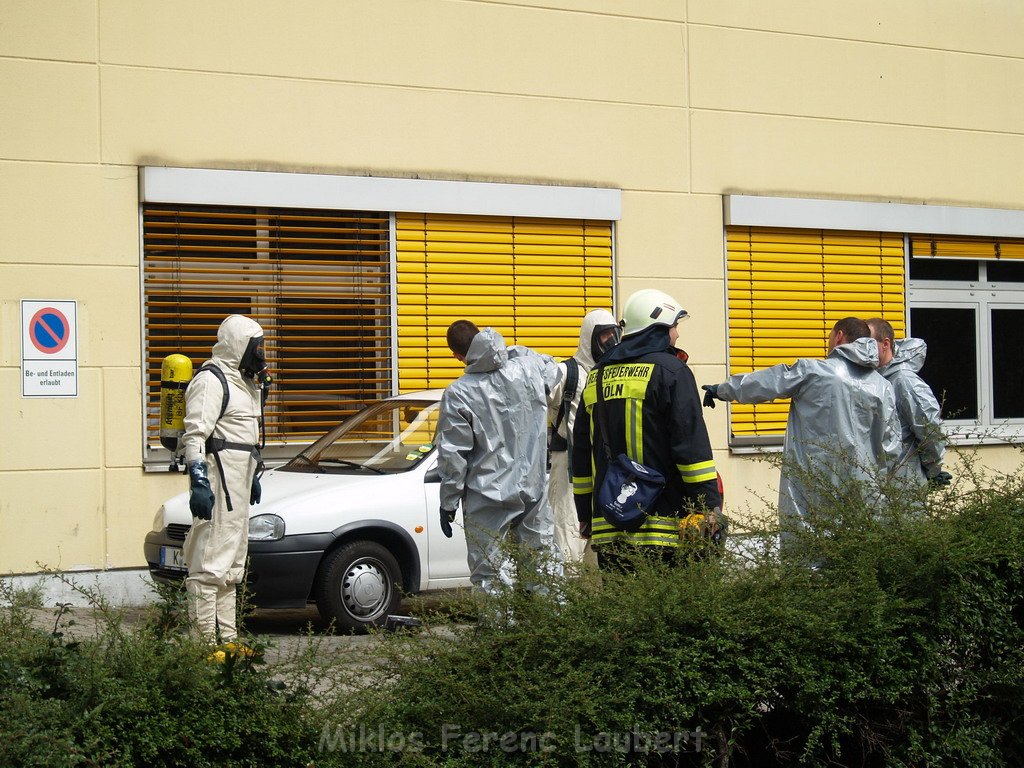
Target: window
[(787, 288), (531, 279), (317, 281), (355, 280), (966, 297)]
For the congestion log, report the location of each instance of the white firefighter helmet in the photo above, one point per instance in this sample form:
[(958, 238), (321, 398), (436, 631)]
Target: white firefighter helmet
[(650, 307)]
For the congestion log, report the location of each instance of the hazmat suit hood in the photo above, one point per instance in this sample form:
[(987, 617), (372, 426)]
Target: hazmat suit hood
[(594, 323), (908, 355), (487, 352), (920, 415), (232, 340), (863, 352)]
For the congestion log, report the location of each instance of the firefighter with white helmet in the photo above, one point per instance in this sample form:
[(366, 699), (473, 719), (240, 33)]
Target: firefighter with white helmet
[(651, 412)]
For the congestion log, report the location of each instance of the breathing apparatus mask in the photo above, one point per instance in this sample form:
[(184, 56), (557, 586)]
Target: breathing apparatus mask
[(254, 363), (611, 334)]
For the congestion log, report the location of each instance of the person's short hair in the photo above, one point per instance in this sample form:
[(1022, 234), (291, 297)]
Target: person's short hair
[(881, 330), (460, 336), (852, 328)]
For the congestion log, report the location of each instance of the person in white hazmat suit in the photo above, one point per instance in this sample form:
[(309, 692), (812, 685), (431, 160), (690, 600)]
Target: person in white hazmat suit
[(842, 419), (599, 332), (922, 446), (492, 454), (222, 456)]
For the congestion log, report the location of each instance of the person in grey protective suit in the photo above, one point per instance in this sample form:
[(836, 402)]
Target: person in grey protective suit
[(842, 419), (492, 452), (221, 443), (922, 446), (599, 332)]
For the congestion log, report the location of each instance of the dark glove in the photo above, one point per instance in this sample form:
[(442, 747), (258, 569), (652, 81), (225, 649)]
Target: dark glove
[(200, 499), (710, 395), (940, 480), (447, 518), (256, 491), (586, 529)]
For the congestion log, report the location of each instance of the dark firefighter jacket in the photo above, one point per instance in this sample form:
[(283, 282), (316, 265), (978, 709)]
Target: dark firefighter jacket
[(654, 416)]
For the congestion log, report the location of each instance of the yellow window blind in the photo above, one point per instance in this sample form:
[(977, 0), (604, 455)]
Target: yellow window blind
[(788, 287), (530, 279), (948, 247), (317, 281)]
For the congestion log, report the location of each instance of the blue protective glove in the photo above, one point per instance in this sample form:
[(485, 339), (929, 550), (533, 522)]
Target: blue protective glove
[(447, 518), (940, 480), (710, 395), (200, 499), (256, 492)]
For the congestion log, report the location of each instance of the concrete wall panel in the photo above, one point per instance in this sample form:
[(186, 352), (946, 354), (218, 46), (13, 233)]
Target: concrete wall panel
[(794, 75), (451, 45), (670, 235), (30, 30), (50, 111), (767, 155), (53, 519), (56, 213), (984, 26), (270, 123)]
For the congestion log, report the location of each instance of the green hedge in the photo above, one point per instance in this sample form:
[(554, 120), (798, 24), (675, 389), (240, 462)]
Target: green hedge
[(890, 638)]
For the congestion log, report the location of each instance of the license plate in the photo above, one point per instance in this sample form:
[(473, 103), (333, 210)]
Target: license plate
[(172, 559)]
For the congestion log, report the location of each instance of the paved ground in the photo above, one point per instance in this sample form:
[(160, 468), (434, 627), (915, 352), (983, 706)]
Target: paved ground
[(285, 631)]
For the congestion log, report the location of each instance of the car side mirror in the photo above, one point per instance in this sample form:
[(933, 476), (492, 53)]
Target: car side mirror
[(432, 476)]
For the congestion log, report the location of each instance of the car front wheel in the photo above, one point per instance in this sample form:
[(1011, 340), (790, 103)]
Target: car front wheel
[(358, 585)]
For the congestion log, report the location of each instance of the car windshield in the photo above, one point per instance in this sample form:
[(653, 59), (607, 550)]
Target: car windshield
[(387, 437)]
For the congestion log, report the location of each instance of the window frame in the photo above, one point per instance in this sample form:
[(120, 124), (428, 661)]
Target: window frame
[(388, 195), (983, 296), (918, 220)]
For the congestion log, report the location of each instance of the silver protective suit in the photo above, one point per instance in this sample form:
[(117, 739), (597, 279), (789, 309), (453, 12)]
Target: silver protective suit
[(215, 549), (492, 455), (842, 421), (922, 446), (567, 527)]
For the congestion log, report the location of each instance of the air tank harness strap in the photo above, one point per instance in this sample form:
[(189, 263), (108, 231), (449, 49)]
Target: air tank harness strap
[(215, 445)]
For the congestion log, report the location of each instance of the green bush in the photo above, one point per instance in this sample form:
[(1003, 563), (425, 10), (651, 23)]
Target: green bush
[(884, 635), (146, 696), (887, 637)]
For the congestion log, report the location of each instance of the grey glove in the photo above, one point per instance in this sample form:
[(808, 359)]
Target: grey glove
[(940, 480), (710, 395), (447, 518), (200, 499)]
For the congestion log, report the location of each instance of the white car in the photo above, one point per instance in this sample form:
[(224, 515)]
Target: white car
[(351, 523)]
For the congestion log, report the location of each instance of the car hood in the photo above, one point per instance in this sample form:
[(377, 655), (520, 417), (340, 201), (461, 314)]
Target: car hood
[(290, 494)]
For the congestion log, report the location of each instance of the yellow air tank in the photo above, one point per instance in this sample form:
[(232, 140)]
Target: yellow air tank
[(175, 374)]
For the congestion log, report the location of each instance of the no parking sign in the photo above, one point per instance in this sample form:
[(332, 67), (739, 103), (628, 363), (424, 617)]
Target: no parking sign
[(49, 348)]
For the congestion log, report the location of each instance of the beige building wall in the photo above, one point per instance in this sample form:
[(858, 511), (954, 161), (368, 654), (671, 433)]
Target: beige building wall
[(676, 103)]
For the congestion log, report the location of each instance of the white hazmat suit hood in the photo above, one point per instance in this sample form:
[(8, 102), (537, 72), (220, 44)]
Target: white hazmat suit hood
[(567, 534)]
